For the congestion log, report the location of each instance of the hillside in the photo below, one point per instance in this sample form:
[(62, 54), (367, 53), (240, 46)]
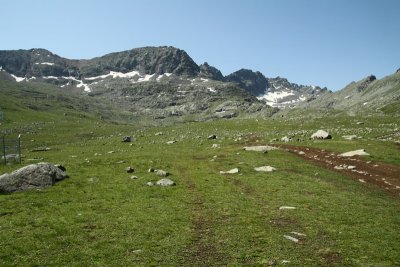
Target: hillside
[(367, 94)]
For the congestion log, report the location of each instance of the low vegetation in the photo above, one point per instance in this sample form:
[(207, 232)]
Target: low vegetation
[(101, 217)]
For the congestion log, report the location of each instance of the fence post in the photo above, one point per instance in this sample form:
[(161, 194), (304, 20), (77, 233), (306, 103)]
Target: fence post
[(4, 151), (19, 148)]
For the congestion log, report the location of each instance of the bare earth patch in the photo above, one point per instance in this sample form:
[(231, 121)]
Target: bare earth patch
[(382, 175)]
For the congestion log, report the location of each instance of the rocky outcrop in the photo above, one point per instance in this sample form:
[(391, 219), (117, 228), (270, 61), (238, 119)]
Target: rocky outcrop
[(210, 72), (146, 60), (253, 82), (34, 176)]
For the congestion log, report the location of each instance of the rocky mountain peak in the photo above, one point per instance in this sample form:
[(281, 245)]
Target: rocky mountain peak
[(146, 60), (210, 72), (253, 82)]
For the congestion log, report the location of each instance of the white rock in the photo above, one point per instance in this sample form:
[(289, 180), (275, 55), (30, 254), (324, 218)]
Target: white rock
[(265, 169), (287, 208), (360, 152), (321, 134), (302, 153), (165, 182), (291, 238), (297, 233), (216, 146), (171, 142), (233, 171), (349, 137), (263, 149)]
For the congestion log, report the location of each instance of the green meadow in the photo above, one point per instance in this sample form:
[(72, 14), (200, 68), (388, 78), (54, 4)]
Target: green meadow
[(99, 216)]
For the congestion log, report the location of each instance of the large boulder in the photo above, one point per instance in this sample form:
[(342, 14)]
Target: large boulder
[(34, 176), (321, 134)]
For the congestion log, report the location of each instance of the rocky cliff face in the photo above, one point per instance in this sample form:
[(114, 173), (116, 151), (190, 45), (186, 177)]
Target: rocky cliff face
[(254, 82), (146, 60)]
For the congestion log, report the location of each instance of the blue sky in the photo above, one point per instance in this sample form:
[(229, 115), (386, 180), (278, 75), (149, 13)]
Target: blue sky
[(311, 42)]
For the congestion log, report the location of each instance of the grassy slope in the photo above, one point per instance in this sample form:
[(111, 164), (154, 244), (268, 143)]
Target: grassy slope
[(99, 216)]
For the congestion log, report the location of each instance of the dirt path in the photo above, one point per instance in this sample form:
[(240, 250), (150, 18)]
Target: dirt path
[(202, 251), (383, 175)]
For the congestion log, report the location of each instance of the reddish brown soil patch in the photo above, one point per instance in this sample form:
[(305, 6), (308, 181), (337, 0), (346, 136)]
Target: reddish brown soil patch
[(385, 176)]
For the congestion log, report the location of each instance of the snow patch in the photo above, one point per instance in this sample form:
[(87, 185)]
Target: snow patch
[(44, 63), (18, 79), (115, 74)]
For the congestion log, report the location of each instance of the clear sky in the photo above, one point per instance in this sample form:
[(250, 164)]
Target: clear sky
[(311, 42)]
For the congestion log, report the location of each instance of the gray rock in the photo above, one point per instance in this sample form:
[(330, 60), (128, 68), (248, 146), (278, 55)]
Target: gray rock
[(285, 139), (171, 142), (150, 184), (321, 134), (349, 137), (265, 169), (161, 173), (213, 136), (127, 139), (34, 176), (263, 149), (11, 157), (165, 182), (129, 169), (134, 177), (233, 171), (360, 152)]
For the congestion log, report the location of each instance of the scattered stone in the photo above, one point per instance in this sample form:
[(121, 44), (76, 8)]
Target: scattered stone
[(111, 152), (129, 169), (262, 149), (285, 261), (265, 169), (34, 176), (134, 177), (216, 146), (291, 238), (285, 139), (359, 123), (11, 157), (297, 233), (302, 153), (127, 139), (171, 142), (233, 171), (159, 133), (349, 137), (287, 208), (161, 173), (165, 182), (121, 161), (213, 136), (361, 180), (344, 166), (150, 184), (360, 152), (321, 134)]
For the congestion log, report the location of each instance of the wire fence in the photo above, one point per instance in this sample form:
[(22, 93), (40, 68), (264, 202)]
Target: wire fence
[(11, 150)]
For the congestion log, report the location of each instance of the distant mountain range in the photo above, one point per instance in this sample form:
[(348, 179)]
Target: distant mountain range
[(165, 81)]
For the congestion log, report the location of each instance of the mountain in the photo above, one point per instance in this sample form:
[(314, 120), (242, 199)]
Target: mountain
[(368, 93), (161, 83), (164, 82)]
